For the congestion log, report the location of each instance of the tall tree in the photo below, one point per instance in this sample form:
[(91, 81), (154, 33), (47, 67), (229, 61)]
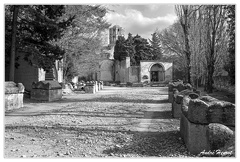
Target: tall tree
[(215, 27), (184, 13), (13, 43), (38, 26), (156, 45), (83, 40), (230, 65)]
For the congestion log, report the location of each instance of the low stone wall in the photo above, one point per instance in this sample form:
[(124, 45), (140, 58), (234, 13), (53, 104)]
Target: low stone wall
[(46, 91), (13, 95), (205, 123)]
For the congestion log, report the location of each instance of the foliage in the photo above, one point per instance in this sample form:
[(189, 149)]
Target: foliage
[(83, 40), (37, 27), (137, 48), (156, 45)]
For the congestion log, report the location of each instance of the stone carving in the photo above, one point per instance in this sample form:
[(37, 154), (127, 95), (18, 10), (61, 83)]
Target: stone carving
[(13, 95)]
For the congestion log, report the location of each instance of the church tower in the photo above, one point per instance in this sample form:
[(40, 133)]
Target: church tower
[(114, 32)]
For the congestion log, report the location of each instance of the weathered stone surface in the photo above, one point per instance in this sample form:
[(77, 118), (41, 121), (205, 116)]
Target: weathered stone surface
[(13, 101), (199, 137), (90, 88), (13, 88), (219, 135), (193, 95), (180, 87), (46, 91), (13, 95), (188, 86), (207, 110), (47, 85), (178, 101), (194, 136), (184, 106), (46, 95), (176, 110)]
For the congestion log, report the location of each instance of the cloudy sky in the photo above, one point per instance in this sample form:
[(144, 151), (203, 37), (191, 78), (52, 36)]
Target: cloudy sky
[(141, 19)]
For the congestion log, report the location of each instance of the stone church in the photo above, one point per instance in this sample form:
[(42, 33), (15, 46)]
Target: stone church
[(149, 71)]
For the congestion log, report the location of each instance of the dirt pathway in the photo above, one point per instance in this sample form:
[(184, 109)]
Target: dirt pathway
[(114, 122)]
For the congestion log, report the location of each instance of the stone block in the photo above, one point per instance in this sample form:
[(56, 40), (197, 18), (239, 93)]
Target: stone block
[(194, 136), (200, 137), (90, 87), (207, 110), (13, 95), (13, 101), (176, 110), (46, 91)]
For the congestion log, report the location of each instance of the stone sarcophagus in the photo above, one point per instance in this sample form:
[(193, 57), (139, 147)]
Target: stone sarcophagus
[(46, 91), (90, 87), (205, 123), (13, 95)]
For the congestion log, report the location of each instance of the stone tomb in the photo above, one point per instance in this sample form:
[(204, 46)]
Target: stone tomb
[(90, 87), (13, 95), (177, 101), (46, 91), (205, 123)]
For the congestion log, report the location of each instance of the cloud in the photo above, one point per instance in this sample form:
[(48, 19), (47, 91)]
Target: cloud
[(135, 22)]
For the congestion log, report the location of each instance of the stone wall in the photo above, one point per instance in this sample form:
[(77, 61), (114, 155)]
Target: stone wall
[(133, 73), (106, 70)]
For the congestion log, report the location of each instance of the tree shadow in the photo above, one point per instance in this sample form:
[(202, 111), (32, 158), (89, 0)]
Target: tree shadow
[(150, 144), (158, 115)]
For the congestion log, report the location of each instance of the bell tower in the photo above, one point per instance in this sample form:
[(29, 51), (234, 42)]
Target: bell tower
[(114, 32)]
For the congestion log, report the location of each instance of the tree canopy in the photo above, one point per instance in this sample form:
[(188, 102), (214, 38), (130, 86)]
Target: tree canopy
[(38, 26)]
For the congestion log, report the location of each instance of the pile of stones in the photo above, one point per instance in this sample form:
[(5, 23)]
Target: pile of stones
[(206, 123)]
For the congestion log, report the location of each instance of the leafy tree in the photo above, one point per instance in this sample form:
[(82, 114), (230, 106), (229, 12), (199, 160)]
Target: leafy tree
[(83, 40), (137, 48), (37, 27), (156, 45), (184, 13), (120, 51)]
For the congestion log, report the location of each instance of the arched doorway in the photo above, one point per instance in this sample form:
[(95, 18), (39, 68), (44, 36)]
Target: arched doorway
[(157, 73)]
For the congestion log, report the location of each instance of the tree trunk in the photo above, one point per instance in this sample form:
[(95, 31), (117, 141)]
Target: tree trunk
[(13, 45)]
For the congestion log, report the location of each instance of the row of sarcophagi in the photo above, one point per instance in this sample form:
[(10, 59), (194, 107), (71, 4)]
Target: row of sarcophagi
[(206, 123)]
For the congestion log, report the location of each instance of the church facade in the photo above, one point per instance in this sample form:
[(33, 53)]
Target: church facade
[(149, 71)]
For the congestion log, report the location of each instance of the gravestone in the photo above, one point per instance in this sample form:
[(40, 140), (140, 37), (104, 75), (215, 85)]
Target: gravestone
[(46, 91), (13, 95)]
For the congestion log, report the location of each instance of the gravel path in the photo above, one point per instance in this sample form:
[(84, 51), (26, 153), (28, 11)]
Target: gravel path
[(114, 122)]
